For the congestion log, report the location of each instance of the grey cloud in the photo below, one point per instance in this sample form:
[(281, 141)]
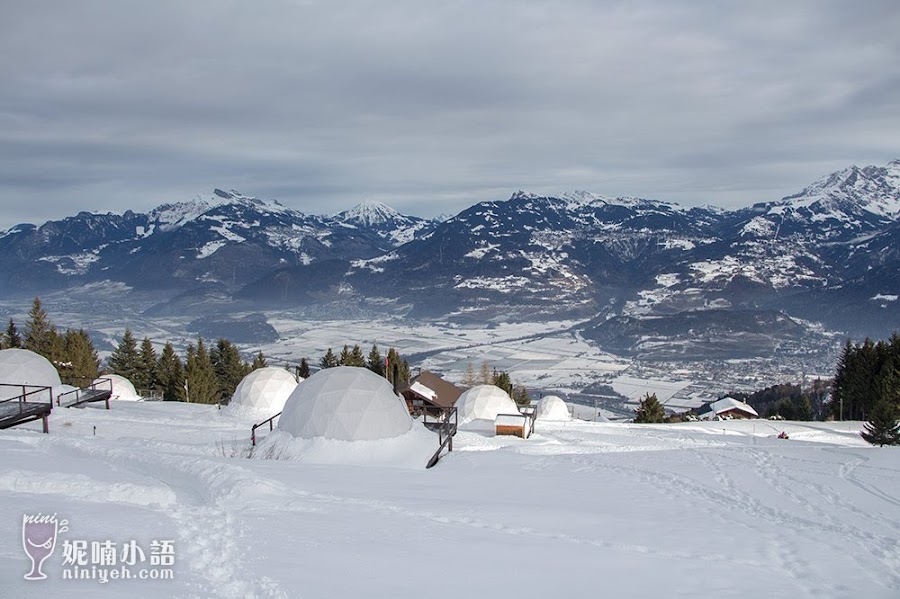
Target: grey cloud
[(432, 106)]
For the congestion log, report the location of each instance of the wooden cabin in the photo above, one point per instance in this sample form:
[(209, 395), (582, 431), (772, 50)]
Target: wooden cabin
[(430, 392)]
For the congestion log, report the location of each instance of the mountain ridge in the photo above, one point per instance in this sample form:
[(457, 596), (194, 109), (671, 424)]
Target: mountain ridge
[(574, 254)]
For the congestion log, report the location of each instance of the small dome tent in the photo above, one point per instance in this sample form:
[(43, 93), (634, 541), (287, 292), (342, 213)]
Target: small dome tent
[(263, 392), (552, 407), (345, 403), (484, 402), (24, 367), (121, 387)]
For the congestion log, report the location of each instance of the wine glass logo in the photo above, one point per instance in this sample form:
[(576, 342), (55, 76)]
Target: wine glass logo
[(39, 540)]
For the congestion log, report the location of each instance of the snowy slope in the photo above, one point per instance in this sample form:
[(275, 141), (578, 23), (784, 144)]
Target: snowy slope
[(578, 510)]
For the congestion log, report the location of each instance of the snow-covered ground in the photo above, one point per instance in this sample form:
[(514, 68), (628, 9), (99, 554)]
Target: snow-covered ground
[(720, 509)]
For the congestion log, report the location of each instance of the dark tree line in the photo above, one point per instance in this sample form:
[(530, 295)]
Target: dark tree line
[(203, 376), (867, 375), (788, 401), (391, 366)]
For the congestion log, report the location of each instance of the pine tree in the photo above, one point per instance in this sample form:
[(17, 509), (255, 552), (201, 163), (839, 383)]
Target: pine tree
[(170, 374), (398, 368), (375, 363), (329, 360), (124, 359), (520, 396), (81, 365), (259, 361), (230, 370), (501, 379), (883, 429), (303, 369), (12, 340), (344, 358), (839, 384), (201, 385), (40, 336), (145, 376), (57, 346), (649, 410), (356, 357)]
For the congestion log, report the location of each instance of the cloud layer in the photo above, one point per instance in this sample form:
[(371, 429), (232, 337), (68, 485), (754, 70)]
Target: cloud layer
[(433, 106)]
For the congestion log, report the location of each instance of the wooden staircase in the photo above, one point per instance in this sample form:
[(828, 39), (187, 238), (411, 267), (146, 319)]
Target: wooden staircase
[(26, 405)]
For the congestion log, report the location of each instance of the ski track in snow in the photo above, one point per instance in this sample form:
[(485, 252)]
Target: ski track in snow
[(785, 503)]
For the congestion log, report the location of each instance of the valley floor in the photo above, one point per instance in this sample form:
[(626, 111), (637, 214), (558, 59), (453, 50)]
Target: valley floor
[(578, 510)]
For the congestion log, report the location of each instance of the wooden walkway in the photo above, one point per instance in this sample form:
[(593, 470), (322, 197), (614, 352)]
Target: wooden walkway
[(26, 405), (93, 393)]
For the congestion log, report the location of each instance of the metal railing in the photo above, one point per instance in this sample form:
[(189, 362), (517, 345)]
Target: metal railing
[(89, 393), (27, 411), (23, 397), (270, 421), (446, 423)]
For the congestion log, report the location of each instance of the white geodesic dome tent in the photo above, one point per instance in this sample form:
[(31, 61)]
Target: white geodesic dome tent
[(552, 407), (484, 402), (345, 403), (121, 387), (263, 392), (24, 367)]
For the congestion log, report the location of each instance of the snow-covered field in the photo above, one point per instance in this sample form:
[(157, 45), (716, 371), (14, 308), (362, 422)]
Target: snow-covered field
[(578, 510)]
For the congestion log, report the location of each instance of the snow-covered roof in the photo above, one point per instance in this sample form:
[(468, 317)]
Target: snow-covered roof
[(122, 388), (263, 392), (552, 407), (510, 420), (420, 389), (484, 402), (729, 403), (345, 403), (439, 392)]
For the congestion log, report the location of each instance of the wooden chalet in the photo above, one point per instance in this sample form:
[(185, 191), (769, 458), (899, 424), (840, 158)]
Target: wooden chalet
[(430, 393), (728, 408)]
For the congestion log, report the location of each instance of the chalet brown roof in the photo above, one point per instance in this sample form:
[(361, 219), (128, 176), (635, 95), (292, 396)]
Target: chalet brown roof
[(447, 393)]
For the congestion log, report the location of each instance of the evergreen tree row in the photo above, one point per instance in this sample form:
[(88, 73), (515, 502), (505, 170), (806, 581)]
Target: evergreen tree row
[(205, 376), (867, 374), (392, 366)]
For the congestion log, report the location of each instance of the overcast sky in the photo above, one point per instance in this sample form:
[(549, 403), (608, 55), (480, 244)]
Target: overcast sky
[(433, 106)]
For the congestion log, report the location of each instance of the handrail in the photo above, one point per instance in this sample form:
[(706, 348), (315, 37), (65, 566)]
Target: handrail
[(92, 387), (446, 431), (270, 421), (23, 397)]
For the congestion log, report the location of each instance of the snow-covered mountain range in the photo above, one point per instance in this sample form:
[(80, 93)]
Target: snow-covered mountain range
[(830, 253)]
